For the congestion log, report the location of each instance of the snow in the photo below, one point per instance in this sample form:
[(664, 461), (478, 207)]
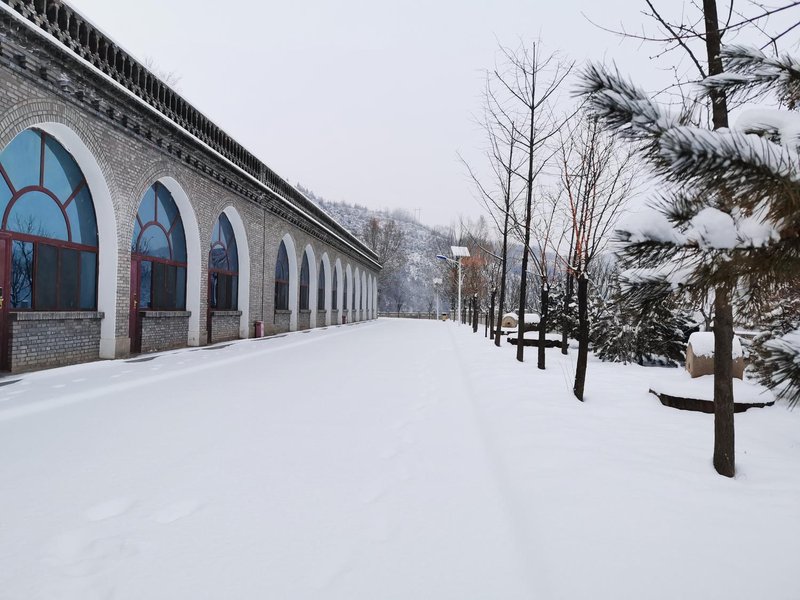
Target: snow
[(679, 383), (702, 343), (394, 459), (783, 122), (532, 318), (534, 335)]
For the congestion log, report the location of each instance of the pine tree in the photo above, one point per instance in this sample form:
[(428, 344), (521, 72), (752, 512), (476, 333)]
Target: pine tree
[(770, 358), (623, 332), (729, 218)]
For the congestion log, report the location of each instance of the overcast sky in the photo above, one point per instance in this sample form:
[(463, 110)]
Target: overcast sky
[(362, 101)]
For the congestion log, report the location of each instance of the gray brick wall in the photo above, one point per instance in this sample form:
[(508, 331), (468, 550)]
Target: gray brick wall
[(280, 323), (130, 148), (164, 330), (38, 340), (224, 325)]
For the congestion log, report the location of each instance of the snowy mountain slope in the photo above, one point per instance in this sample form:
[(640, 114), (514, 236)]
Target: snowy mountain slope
[(420, 247)]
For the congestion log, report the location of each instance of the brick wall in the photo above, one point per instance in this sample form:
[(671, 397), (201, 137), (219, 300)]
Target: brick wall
[(281, 322), (224, 325), (130, 149), (164, 330), (38, 340)]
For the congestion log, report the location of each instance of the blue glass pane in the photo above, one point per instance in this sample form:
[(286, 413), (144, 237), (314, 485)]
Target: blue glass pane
[(5, 196), (226, 230), (234, 292), (61, 172), (321, 279), (304, 271), (82, 222), (222, 235), (36, 213), (22, 159), (21, 274), (166, 211), (180, 289), (46, 273), (135, 239), (218, 258), (153, 242), (282, 264), (88, 280), (145, 283), (68, 279), (178, 239), (233, 254), (147, 208)]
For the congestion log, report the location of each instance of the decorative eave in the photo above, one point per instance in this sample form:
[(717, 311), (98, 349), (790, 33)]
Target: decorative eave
[(66, 29)]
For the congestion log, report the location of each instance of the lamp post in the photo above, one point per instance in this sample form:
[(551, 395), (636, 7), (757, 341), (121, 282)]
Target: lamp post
[(436, 283), (458, 253)]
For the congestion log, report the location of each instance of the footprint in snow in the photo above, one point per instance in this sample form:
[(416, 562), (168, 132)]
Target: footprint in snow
[(108, 510), (79, 553), (176, 511)]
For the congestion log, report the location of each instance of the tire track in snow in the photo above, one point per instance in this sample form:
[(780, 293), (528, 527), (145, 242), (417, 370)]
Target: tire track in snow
[(528, 554)]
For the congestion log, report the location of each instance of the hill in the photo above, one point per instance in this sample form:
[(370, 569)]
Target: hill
[(412, 287)]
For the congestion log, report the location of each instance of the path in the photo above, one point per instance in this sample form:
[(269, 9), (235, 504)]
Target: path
[(347, 463)]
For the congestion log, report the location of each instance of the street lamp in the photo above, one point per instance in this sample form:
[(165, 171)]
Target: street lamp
[(458, 253), (436, 283)]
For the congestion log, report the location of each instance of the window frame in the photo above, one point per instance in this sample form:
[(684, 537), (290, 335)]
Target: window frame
[(282, 285), (227, 275), (304, 301), (140, 257), (59, 244)]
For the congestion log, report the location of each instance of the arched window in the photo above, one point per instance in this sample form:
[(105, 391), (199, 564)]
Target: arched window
[(223, 267), (334, 290), (158, 249), (47, 209), (344, 298), (282, 279), (321, 287), (304, 283)]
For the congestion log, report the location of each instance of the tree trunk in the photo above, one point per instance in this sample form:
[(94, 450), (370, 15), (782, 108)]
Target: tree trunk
[(543, 324), (583, 336), (490, 318), (565, 315), (724, 461), (504, 268)]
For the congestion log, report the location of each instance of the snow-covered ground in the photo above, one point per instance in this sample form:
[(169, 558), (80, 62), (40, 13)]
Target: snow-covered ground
[(396, 459)]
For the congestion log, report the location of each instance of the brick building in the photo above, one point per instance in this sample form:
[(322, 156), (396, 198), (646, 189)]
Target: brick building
[(132, 223)]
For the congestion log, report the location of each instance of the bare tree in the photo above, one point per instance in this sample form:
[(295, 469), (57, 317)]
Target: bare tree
[(499, 195), (597, 180), (550, 232), (171, 78), (532, 80)]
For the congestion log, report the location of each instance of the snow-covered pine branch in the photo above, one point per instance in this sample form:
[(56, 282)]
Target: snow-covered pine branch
[(751, 70), (622, 106)]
